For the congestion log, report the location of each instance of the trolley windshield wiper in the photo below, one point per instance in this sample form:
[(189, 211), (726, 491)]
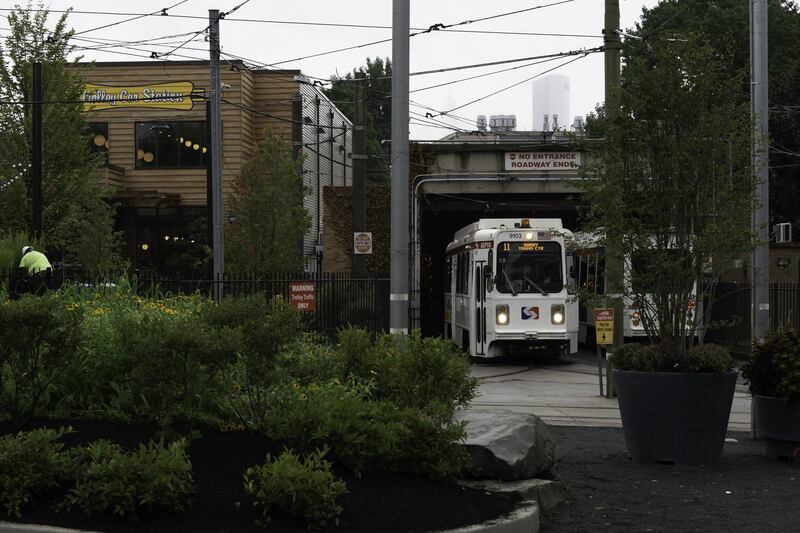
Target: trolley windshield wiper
[(508, 280), (534, 285)]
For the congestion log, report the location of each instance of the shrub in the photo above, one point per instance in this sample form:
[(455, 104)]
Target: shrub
[(410, 371), (303, 487), (423, 443), (650, 358), (38, 341), (709, 358), (31, 462), (333, 415), (774, 365), (171, 364), (127, 484)]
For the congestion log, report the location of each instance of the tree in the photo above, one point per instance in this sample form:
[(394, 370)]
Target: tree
[(267, 199), (77, 217), (726, 25), (673, 181), (378, 89)]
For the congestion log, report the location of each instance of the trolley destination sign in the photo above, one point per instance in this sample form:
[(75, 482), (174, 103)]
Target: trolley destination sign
[(549, 161)]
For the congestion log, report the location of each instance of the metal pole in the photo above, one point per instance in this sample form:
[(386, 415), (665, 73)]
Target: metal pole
[(614, 260), (216, 154), (359, 192), (759, 105), (36, 153), (398, 293)]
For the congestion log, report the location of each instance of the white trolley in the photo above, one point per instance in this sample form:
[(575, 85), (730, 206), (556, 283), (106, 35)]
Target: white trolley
[(506, 289)]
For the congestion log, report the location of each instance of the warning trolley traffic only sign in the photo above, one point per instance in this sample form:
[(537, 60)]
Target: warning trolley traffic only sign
[(604, 325), (303, 295)]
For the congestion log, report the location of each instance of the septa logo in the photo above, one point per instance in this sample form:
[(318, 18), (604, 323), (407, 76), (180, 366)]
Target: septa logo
[(530, 313)]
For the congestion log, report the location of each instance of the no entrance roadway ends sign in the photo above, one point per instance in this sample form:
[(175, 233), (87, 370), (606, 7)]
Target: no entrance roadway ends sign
[(303, 295), (604, 325)]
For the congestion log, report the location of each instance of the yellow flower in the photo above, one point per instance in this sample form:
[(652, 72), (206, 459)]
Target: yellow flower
[(295, 385), (313, 387), (237, 388), (303, 397)]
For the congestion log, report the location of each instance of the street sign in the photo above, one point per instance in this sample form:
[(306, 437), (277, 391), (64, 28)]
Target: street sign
[(604, 325), (362, 242), (303, 295)]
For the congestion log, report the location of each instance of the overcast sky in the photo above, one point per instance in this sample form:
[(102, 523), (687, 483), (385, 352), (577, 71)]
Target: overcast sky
[(287, 45)]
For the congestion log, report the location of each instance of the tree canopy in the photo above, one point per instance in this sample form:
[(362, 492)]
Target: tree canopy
[(76, 216), (378, 89), (725, 24), (267, 199), (673, 180)]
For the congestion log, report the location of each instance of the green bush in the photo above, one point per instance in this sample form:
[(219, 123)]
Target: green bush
[(424, 443), (411, 371), (709, 358), (650, 358), (171, 365), (303, 487), (127, 484), (31, 462), (337, 416), (774, 365), (266, 328), (38, 341)]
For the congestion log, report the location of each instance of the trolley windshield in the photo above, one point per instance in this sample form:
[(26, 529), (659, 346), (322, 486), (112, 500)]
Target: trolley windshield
[(529, 267)]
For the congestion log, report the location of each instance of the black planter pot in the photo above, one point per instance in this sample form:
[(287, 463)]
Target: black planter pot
[(778, 423), (675, 417)]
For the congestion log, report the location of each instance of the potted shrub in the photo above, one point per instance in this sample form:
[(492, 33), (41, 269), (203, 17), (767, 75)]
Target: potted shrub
[(773, 375), (670, 195)]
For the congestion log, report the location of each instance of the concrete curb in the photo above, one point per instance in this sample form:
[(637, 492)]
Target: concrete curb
[(13, 527), (524, 519), (548, 493)]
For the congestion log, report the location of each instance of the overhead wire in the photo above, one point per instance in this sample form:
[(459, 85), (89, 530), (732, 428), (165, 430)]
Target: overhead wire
[(160, 12)]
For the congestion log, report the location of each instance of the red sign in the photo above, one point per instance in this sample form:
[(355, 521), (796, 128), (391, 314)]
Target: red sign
[(604, 314), (303, 295)]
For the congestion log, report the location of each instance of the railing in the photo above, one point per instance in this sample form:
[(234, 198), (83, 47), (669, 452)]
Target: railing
[(339, 299), (731, 311)]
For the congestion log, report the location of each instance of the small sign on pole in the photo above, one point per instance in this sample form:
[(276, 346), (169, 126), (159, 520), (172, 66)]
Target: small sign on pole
[(362, 242), (303, 295), (604, 325)]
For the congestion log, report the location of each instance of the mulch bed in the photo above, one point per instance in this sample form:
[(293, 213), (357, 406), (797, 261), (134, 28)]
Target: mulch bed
[(377, 501), (607, 491)]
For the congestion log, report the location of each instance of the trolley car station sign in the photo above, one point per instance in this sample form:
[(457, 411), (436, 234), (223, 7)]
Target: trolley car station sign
[(558, 161), (172, 95)]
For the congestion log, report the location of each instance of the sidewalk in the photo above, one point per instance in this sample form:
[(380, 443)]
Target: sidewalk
[(566, 393)]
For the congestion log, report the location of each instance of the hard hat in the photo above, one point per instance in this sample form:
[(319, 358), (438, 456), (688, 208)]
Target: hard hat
[(26, 249)]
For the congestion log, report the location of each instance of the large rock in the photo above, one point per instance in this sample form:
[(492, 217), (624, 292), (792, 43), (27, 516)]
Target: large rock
[(508, 445)]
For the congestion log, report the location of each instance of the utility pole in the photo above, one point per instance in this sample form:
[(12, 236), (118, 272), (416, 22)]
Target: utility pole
[(759, 109), (216, 155), (398, 290), (614, 260), (36, 153), (359, 192)]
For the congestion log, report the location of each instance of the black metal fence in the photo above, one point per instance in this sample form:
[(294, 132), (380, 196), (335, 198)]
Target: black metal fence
[(329, 301), (731, 311)]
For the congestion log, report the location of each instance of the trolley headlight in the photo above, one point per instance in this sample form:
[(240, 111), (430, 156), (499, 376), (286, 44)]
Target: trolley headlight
[(501, 314), (557, 314)]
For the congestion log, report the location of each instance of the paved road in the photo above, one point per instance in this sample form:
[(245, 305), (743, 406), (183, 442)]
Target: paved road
[(566, 393)]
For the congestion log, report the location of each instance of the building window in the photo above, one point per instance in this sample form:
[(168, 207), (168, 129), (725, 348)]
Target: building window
[(171, 145), (98, 138)]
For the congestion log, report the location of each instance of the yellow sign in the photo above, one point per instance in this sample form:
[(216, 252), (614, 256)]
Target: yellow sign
[(604, 325), (171, 95)]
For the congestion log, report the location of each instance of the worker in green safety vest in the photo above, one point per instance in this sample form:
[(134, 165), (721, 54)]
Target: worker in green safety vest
[(38, 269)]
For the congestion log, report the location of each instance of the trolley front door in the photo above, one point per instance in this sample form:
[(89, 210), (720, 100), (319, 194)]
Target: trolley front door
[(479, 325)]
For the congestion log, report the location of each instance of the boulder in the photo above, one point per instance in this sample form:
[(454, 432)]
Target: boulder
[(508, 446)]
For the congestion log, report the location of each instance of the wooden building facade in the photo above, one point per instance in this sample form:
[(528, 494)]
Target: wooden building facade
[(150, 119)]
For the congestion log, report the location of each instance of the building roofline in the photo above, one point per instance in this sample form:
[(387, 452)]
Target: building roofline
[(150, 63)]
